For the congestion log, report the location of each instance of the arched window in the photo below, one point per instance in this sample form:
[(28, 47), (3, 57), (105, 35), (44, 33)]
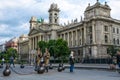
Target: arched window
[(50, 14), (106, 39), (55, 20), (117, 41), (114, 41), (55, 14)]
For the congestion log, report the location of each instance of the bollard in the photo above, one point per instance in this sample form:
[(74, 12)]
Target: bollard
[(22, 66), (7, 71), (41, 70), (60, 68), (50, 67), (63, 67)]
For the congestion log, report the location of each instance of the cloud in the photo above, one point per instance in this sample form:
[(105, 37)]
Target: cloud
[(114, 4), (15, 14)]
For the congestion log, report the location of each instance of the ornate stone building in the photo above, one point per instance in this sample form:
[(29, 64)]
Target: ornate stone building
[(23, 48), (88, 38)]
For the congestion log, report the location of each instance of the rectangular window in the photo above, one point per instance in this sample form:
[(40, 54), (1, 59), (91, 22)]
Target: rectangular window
[(117, 30), (114, 41), (113, 30), (90, 29), (105, 28), (90, 38)]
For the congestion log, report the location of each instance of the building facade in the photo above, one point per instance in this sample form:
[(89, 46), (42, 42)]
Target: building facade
[(2, 48), (12, 43), (88, 38), (23, 48)]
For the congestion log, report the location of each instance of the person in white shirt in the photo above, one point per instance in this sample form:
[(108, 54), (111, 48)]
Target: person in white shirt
[(3, 60)]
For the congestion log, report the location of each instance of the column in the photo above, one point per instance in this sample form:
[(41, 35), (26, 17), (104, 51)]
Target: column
[(72, 37), (35, 42), (110, 36), (76, 38), (64, 36), (68, 39), (40, 38), (84, 34), (32, 43), (30, 48), (93, 32)]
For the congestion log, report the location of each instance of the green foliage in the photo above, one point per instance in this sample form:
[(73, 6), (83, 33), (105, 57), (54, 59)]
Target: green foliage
[(2, 55), (52, 47), (11, 52), (57, 48), (112, 50), (42, 45), (62, 47)]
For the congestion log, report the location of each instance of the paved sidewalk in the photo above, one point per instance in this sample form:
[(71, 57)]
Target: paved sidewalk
[(89, 66)]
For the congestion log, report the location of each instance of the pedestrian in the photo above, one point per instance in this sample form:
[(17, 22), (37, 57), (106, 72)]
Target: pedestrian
[(12, 61), (118, 58), (114, 63), (71, 61), (3, 60), (46, 58)]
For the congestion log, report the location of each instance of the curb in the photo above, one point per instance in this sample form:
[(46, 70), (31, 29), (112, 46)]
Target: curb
[(91, 68)]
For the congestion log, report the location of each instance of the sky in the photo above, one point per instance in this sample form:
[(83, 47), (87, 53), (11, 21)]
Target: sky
[(15, 14)]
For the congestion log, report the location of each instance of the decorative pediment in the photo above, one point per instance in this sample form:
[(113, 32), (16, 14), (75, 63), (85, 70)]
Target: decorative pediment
[(35, 31), (32, 32)]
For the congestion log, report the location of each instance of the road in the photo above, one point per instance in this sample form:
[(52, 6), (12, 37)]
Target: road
[(28, 73)]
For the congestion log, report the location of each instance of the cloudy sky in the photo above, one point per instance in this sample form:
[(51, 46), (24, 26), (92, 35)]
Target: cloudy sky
[(15, 14)]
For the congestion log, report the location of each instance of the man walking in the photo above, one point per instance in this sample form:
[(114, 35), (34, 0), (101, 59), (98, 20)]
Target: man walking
[(118, 59), (12, 61), (71, 61)]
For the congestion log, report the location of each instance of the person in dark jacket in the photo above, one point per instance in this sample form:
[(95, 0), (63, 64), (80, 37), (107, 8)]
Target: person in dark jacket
[(71, 61), (12, 61), (118, 58)]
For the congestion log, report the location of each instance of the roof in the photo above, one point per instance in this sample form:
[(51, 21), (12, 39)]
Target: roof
[(98, 4)]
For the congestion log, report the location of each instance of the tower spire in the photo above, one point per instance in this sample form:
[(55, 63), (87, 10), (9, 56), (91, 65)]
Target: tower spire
[(53, 14)]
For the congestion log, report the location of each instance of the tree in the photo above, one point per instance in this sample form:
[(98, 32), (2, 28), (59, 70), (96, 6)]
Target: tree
[(112, 50), (52, 47), (42, 45), (62, 49), (10, 52), (57, 48)]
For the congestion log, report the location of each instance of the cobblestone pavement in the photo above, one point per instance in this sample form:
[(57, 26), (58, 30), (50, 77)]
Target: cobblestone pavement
[(28, 73)]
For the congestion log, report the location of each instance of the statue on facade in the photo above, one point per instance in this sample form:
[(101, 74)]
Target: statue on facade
[(38, 58), (46, 58)]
